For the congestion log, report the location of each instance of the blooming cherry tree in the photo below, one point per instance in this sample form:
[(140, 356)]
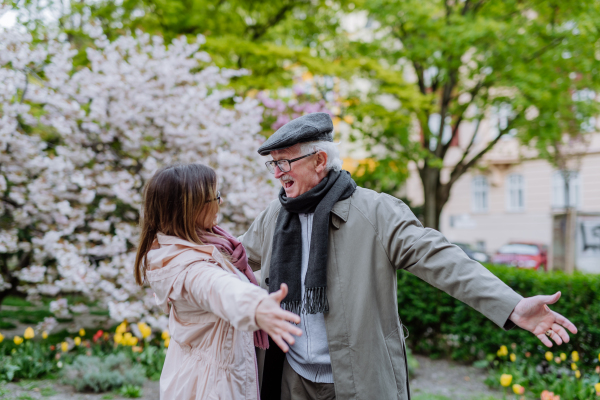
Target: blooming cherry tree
[(77, 146)]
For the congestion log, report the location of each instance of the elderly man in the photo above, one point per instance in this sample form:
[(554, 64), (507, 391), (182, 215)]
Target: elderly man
[(338, 247)]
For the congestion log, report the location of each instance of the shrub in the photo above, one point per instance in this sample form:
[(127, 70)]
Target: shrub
[(440, 324), (101, 374)]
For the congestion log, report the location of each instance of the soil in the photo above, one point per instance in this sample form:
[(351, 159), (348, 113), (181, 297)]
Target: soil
[(51, 390)]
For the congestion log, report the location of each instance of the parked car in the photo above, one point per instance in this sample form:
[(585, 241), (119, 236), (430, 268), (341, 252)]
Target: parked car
[(473, 254), (523, 255)]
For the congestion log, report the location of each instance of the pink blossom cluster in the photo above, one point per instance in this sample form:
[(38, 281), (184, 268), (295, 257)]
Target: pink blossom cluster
[(285, 111), (78, 144)]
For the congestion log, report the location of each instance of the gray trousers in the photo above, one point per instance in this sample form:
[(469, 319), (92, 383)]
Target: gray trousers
[(295, 387)]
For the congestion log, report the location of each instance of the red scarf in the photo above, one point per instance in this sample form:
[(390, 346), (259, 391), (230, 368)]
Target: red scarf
[(229, 245)]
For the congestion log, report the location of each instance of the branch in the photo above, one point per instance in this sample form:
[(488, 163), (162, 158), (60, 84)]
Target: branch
[(260, 31), (461, 168), (11, 202), (460, 118), (26, 85)]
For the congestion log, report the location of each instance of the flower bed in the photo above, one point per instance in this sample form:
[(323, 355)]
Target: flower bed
[(547, 376), (38, 356)]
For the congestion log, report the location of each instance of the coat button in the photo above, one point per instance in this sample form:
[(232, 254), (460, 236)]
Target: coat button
[(267, 280)]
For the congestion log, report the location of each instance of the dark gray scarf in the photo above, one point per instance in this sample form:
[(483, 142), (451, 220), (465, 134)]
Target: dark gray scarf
[(286, 258)]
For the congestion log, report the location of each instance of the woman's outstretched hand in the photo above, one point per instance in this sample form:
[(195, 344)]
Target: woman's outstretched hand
[(273, 320)]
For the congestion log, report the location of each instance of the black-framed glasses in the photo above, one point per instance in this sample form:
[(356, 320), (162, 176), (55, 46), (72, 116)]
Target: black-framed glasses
[(218, 198), (284, 165)]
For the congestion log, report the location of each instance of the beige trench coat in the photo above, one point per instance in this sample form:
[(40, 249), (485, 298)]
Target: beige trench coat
[(371, 236), (212, 316)]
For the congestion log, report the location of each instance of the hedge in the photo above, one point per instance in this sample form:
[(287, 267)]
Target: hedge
[(442, 325)]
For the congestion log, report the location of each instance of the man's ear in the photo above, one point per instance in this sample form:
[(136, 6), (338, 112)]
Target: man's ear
[(321, 161)]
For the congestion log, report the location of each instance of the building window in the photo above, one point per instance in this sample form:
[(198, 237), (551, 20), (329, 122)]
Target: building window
[(480, 189), (559, 192), (515, 192)]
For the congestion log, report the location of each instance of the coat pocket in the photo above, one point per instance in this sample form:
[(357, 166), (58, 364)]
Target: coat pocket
[(395, 348)]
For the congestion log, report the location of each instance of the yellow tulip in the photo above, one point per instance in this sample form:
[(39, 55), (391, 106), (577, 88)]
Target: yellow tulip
[(145, 330), (563, 356), (505, 380), (122, 327), (77, 341), (167, 341), (575, 356), (518, 389), (1, 338), (165, 335), (577, 374), (549, 356), (513, 357), (44, 335), (29, 333), (132, 341), (82, 332), (118, 338), (64, 346), (573, 366), (18, 340), (597, 387), (503, 350)]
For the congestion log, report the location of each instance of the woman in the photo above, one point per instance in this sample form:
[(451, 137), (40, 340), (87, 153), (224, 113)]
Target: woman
[(202, 272)]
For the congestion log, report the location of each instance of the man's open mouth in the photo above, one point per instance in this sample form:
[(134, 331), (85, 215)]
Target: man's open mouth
[(288, 184)]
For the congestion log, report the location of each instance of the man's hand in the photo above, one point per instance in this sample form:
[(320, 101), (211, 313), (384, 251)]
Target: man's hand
[(273, 320), (533, 315)]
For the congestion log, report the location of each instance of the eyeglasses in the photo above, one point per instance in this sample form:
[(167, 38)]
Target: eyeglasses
[(218, 198), (284, 165)]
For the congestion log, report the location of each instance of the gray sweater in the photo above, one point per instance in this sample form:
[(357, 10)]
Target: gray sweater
[(309, 356)]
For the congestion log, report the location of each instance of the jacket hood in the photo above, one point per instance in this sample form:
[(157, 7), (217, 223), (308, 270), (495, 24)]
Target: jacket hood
[(168, 257)]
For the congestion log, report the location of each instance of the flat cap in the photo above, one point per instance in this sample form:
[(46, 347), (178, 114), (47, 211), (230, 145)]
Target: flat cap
[(307, 128)]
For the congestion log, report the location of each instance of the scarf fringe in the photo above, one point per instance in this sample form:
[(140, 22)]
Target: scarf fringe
[(314, 302), (292, 306)]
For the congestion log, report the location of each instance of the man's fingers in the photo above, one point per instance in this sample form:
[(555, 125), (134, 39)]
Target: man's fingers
[(550, 299), (564, 322), (544, 339), (556, 337), (560, 331)]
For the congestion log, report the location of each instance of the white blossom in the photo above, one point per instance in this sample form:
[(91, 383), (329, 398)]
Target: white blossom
[(78, 144)]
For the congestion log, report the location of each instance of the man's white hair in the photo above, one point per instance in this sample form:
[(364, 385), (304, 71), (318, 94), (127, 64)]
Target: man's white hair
[(334, 162)]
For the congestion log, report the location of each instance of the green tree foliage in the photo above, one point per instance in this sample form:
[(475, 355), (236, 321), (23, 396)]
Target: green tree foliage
[(414, 69), (533, 62)]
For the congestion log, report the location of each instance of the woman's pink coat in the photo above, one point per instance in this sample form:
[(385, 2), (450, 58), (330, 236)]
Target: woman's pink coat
[(212, 316)]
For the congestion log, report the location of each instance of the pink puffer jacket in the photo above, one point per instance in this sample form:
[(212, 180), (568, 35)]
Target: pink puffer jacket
[(212, 317)]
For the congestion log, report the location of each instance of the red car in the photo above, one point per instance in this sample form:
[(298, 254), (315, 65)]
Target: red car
[(523, 255)]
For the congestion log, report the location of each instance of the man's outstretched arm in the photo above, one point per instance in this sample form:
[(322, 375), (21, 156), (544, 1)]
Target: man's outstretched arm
[(427, 254)]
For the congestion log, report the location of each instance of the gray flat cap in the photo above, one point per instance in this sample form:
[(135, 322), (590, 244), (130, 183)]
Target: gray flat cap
[(307, 128)]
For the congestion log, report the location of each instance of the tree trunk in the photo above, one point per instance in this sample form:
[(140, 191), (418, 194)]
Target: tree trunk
[(432, 208)]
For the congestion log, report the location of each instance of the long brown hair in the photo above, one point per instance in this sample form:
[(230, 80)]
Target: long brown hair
[(175, 199)]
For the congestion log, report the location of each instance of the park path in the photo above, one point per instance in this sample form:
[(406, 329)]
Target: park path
[(451, 380)]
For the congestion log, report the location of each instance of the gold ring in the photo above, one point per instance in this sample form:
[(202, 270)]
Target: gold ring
[(549, 333)]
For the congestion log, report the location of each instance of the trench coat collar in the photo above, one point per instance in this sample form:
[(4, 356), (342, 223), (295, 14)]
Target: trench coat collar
[(341, 209)]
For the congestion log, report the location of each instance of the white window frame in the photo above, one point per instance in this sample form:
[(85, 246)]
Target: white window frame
[(558, 190), (480, 194), (515, 193)]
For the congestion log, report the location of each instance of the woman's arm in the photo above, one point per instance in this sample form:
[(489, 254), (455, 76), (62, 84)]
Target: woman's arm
[(246, 306)]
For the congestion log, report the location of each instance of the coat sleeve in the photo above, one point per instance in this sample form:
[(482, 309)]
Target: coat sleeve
[(224, 294), (252, 240), (427, 254)]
